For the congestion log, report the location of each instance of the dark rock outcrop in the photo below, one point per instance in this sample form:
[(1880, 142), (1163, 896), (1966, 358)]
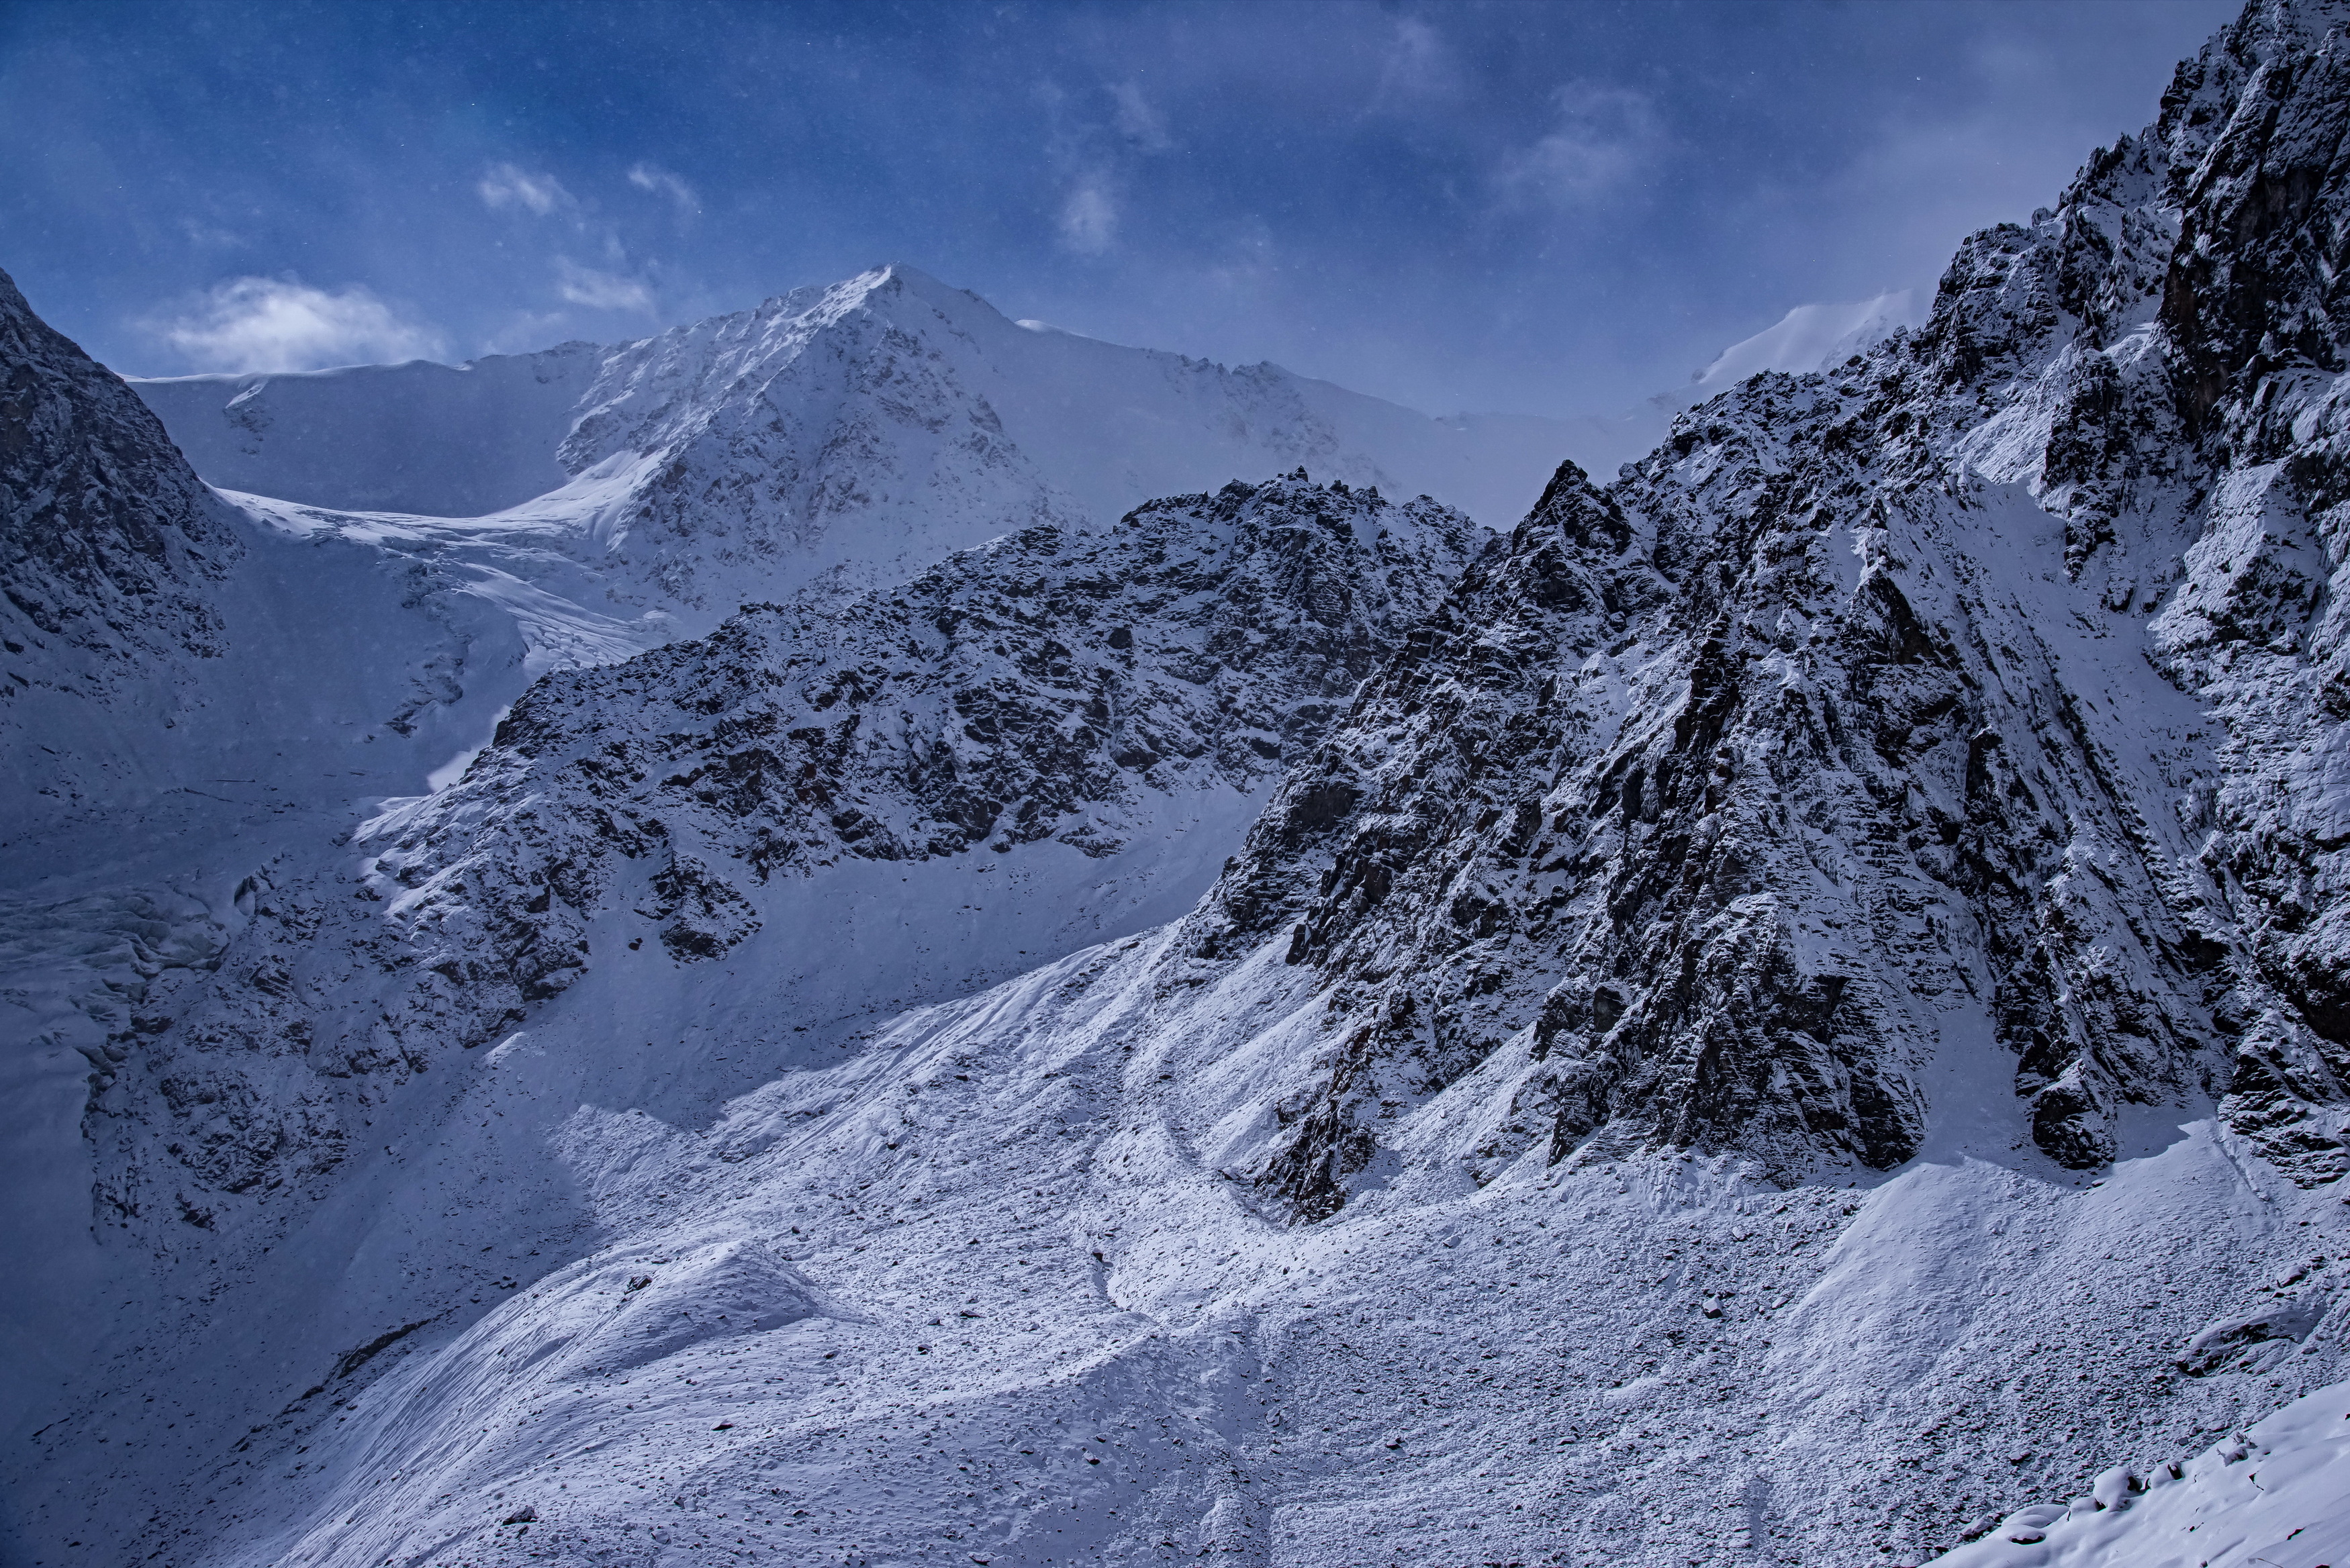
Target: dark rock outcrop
[(1978, 687), (106, 536)]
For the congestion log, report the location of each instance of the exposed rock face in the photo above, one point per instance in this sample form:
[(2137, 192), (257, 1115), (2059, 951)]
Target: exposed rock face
[(106, 537), (1001, 692), (1989, 675), (1041, 688)]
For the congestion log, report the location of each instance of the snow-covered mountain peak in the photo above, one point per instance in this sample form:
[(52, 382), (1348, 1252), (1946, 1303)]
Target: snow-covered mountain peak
[(841, 436), (1811, 337)]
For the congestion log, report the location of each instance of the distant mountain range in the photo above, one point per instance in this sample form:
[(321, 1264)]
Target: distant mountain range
[(1078, 427)]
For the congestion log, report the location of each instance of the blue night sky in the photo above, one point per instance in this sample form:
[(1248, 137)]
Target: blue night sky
[(1549, 209)]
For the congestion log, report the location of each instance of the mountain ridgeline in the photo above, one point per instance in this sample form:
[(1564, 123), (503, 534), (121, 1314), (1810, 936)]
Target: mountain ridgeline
[(1044, 690), (1997, 670)]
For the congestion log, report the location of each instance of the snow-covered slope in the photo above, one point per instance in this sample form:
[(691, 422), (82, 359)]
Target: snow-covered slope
[(188, 690), (1798, 1011), (979, 1288), (2278, 1491), (854, 433), (438, 440), (827, 811)]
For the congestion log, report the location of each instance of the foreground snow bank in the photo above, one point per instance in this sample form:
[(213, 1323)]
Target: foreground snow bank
[(2278, 1492)]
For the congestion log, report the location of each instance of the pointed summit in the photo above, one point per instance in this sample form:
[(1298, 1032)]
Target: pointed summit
[(849, 434)]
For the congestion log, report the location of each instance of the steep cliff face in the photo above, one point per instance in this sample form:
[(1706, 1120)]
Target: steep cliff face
[(2251, 317), (1005, 694), (1978, 685), (108, 544), (99, 512)]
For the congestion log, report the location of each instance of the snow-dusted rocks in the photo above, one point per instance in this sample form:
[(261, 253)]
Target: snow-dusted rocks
[(2278, 1491), (996, 692), (107, 540), (1947, 696), (1051, 690)]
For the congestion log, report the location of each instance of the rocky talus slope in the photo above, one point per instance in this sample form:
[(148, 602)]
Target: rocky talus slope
[(2270, 1493)]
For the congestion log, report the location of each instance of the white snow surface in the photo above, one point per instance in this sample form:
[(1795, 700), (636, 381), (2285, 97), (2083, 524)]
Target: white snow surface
[(445, 441), (2277, 1492), (898, 1300)]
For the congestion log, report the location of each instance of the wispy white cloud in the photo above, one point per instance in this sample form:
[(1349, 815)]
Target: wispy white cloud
[(1135, 118), (599, 290), (652, 177), (1605, 138), (527, 330), (1097, 160), (248, 324), (1089, 216), (210, 236), (1416, 64), (508, 187)]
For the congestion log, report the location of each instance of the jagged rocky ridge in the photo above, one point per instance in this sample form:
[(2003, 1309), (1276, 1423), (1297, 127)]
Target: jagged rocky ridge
[(997, 693), (1042, 688), (1999, 665)]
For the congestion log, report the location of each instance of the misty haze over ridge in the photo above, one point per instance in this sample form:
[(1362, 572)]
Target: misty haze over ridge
[(355, 438)]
